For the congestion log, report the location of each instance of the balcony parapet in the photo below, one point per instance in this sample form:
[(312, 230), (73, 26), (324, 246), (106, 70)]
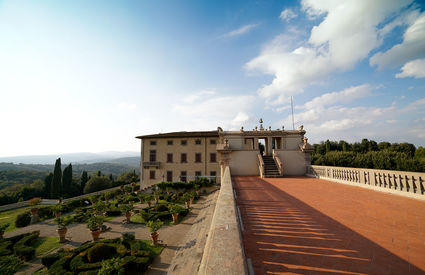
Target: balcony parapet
[(410, 184)]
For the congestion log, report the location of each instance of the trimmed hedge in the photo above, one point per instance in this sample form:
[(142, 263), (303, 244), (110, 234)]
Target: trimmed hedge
[(100, 252), (10, 264), (23, 249), (48, 260), (23, 219)]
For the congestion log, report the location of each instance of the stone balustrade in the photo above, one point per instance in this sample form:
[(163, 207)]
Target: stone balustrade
[(223, 253), (278, 162), (404, 183), (260, 165)]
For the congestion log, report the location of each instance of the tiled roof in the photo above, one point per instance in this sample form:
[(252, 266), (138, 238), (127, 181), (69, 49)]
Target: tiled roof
[(182, 134)]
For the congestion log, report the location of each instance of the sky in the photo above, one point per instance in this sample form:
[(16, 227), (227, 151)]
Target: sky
[(89, 76)]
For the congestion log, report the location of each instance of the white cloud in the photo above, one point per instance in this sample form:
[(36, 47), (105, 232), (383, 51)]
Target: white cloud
[(127, 106), (287, 14), (207, 111), (412, 47), (242, 30), (415, 68), (346, 35), (194, 97)]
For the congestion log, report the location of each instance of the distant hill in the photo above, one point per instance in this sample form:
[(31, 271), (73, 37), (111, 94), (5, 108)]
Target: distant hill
[(84, 157)]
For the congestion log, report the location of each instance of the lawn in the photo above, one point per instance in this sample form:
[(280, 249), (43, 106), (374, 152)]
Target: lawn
[(9, 216), (45, 245)]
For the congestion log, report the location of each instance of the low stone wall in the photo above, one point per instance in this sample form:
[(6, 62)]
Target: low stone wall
[(403, 183), (224, 252)]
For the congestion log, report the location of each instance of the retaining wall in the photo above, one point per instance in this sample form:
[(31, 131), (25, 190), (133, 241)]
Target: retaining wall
[(224, 252)]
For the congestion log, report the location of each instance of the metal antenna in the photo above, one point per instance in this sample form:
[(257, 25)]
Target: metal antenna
[(292, 109)]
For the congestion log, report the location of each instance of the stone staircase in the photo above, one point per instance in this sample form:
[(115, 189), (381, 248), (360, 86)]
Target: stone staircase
[(270, 168)]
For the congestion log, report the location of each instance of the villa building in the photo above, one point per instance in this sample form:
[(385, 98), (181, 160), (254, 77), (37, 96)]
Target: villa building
[(184, 156)]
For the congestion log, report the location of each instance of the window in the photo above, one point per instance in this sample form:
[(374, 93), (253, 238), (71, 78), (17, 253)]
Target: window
[(152, 155), (169, 175), (169, 157), (183, 176), (169, 142), (197, 174), (183, 142), (183, 157), (153, 142), (213, 141), (198, 157), (213, 157), (198, 142), (152, 174)]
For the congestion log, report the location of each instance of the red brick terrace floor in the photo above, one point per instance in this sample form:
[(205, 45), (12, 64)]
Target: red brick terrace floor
[(311, 226)]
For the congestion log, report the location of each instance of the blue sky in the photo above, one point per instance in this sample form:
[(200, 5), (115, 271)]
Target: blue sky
[(91, 75)]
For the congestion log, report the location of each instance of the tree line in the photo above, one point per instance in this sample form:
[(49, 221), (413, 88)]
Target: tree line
[(370, 154), (60, 184)]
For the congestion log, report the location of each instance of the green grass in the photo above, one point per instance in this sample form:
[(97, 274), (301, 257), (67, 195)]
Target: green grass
[(9, 216), (45, 245)]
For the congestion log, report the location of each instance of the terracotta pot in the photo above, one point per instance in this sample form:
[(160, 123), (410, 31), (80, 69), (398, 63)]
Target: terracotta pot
[(175, 218), (1, 234), (191, 201), (62, 234), (95, 234), (188, 204), (149, 203), (34, 211), (127, 216), (156, 199), (154, 237), (198, 192), (58, 214)]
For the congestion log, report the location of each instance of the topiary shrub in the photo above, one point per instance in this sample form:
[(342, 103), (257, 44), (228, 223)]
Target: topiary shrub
[(45, 213), (161, 207), (23, 219), (10, 264), (5, 248), (112, 266), (61, 266), (23, 249), (76, 262), (99, 252), (50, 259), (89, 266)]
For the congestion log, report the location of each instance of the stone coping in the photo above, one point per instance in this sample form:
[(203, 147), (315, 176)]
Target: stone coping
[(224, 253)]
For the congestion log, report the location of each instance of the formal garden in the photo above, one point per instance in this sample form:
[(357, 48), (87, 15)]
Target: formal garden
[(166, 204)]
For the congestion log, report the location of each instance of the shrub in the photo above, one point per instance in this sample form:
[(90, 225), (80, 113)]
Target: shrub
[(23, 249), (125, 208), (50, 259), (76, 262), (23, 219), (34, 201), (94, 222), (89, 267), (60, 266), (45, 213), (161, 207), (154, 226), (10, 264), (112, 266), (96, 184), (99, 252), (5, 248)]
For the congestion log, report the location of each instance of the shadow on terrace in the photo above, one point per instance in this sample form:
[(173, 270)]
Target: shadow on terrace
[(284, 234)]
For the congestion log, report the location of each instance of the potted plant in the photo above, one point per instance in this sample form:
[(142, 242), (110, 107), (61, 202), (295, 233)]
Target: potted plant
[(63, 222), (153, 227), (107, 196), (3, 228), (157, 193), (192, 196), (141, 197), (134, 247), (57, 209), (94, 223), (100, 207), (174, 211), (187, 198), (148, 199), (126, 209), (133, 184), (34, 210), (198, 189)]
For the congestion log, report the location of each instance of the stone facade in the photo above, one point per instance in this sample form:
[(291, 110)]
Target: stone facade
[(187, 155)]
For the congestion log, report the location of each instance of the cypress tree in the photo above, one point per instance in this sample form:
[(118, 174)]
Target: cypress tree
[(47, 185), (56, 186), (83, 181), (67, 179)]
